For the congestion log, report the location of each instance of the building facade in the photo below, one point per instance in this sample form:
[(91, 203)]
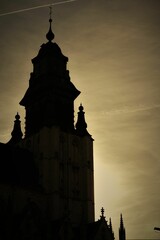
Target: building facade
[(47, 174)]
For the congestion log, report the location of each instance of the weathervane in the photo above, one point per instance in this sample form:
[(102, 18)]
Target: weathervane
[(50, 34)]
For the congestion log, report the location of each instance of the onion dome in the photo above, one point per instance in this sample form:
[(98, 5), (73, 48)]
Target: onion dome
[(50, 34)]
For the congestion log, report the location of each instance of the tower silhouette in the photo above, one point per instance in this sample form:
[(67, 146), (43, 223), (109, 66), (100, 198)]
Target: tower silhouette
[(47, 178)]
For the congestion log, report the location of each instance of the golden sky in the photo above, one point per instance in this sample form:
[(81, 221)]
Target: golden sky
[(114, 49)]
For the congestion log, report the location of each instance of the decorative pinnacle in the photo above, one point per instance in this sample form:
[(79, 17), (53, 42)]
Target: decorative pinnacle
[(16, 132), (102, 214), (102, 211), (50, 34), (121, 222)]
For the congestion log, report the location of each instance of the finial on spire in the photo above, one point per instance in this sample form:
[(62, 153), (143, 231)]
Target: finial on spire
[(102, 217), (102, 212), (81, 108), (17, 117), (50, 34)]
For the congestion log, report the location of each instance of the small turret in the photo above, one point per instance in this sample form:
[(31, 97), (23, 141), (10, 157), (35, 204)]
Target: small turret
[(105, 229), (16, 133), (81, 125)]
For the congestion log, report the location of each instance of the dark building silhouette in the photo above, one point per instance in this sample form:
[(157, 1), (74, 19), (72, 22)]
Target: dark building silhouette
[(122, 231), (47, 175)]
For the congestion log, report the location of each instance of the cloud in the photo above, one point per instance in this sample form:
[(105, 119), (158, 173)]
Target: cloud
[(129, 109)]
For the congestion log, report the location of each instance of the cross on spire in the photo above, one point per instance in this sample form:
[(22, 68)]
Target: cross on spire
[(102, 217), (50, 12), (50, 34), (102, 211)]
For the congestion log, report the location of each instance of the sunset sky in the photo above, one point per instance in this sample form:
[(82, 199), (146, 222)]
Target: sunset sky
[(113, 48)]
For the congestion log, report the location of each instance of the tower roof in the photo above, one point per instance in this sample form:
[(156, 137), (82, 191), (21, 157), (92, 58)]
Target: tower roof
[(50, 95)]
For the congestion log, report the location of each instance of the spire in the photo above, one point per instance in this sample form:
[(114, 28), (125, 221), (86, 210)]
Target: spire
[(110, 226), (81, 125), (121, 222), (16, 133), (50, 34), (122, 232)]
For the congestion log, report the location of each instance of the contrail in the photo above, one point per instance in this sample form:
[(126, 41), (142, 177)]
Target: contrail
[(41, 6)]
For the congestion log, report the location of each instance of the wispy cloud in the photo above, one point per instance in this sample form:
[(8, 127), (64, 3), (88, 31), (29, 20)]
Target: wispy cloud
[(129, 109)]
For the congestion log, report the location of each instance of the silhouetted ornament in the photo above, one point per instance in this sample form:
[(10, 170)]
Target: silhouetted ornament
[(16, 133), (102, 214), (81, 125), (17, 117), (81, 108), (122, 231), (50, 34)]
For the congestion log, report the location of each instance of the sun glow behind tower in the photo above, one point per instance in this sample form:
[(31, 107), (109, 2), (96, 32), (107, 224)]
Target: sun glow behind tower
[(124, 62)]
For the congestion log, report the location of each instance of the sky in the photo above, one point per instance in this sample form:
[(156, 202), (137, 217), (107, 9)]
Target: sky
[(113, 48)]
